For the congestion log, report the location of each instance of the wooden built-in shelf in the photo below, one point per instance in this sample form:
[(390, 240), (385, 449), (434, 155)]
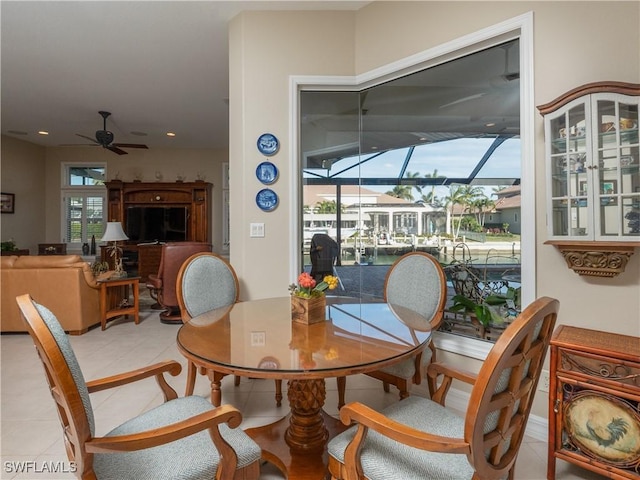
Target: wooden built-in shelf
[(596, 259)]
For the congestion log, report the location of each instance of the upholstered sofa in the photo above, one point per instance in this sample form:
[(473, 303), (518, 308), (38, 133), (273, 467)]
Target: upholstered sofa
[(64, 284)]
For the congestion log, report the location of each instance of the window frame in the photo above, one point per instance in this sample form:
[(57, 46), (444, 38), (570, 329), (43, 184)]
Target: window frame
[(84, 191), (519, 27)]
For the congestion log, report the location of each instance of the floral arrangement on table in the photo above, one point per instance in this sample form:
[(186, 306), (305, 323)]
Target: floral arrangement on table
[(308, 298), (308, 288)]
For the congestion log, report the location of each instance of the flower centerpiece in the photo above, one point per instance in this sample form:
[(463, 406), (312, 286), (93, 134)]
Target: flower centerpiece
[(308, 300)]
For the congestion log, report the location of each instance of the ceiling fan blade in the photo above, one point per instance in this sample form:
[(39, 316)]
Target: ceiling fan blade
[(115, 149), (88, 138), (129, 145)]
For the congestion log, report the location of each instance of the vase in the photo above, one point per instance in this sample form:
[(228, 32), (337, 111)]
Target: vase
[(308, 310)]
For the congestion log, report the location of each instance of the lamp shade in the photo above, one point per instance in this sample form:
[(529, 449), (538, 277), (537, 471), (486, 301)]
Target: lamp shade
[(114, 233)]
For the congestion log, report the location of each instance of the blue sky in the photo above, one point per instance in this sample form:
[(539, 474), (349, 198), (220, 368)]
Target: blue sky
[(452, 159)]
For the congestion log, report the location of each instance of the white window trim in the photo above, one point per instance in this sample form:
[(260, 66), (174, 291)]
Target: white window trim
[(518, 27), (65, 166)]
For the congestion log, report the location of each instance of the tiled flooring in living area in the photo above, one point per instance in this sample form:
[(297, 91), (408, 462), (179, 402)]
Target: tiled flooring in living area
[(31, 430)]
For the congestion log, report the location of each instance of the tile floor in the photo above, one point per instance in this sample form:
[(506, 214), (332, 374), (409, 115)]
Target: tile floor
[(31, 431)]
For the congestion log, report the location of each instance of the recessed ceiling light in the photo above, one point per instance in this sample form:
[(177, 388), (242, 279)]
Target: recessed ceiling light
[(490, 124), (138, 134), (171, 134), (43, 132)]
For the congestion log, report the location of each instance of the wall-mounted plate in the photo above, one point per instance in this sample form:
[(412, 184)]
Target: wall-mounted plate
[(267, 200), (268, 144), (267, 173)]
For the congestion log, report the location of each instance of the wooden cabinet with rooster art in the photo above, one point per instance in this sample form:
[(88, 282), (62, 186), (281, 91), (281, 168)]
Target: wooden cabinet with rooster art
[(594, 402)]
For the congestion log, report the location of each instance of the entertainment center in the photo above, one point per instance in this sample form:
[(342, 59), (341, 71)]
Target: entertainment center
[(153, 213)]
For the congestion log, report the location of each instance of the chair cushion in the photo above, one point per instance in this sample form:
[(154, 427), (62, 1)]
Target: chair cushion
[(193, 457), (207, 284), (414, 283), (407, 368), (384, 458)]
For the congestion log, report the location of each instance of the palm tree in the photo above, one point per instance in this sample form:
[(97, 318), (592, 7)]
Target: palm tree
[(409, 174), (431, 197), (326, 206), (480, 206), (401, 191), (461, 195)]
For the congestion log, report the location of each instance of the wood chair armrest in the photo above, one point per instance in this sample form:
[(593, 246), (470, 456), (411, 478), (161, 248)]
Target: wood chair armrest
[(368, 418), (157, 369), (436, 369), (159, 436)]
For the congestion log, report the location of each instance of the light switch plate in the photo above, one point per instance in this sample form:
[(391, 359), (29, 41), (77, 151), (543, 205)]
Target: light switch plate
[(256, 229)]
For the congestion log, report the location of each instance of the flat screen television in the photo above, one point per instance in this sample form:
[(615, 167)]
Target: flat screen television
[(157, 224)]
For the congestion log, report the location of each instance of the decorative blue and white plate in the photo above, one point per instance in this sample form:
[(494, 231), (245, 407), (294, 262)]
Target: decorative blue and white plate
[(267, 173), (268, 144), (267, 200)]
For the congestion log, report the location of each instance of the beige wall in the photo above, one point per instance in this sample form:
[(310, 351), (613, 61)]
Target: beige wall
[(22, 174), (265, 48)]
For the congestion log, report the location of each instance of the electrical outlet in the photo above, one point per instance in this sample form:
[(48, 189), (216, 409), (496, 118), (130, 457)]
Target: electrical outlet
[(258, 339), (543, 384)]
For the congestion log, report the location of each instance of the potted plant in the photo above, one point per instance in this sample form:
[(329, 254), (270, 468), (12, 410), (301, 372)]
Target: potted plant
[(8, 246), (486, 311), (308, 300)]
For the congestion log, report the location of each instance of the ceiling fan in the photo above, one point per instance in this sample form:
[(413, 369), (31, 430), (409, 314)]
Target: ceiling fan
[(104, 138), (507, 76)]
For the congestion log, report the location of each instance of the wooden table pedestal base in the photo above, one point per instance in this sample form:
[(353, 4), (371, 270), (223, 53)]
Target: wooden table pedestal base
[(296, 444)]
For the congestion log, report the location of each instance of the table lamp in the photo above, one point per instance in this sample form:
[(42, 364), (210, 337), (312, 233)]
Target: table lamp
[(115, 234)]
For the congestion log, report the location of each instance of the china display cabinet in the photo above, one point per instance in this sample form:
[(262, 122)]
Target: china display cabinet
[(593, 176)]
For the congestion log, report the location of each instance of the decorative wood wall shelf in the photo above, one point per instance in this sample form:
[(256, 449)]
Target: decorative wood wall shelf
[(595, 259)]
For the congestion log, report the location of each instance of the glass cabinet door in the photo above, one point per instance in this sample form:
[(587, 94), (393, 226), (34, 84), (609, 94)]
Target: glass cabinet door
[(569, 157), (618, 177)]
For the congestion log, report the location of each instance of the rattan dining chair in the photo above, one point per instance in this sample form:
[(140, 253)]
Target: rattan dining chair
[(207, 281), (415, 281), (421, 438), (183, 438)]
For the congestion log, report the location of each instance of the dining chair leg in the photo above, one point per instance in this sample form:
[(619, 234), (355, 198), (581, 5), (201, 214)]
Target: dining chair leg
[(342, 385), (403, 386), (385, 386), (236, 380)]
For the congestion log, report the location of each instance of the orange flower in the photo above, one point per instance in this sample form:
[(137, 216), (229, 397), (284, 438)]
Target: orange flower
[(306, 281)]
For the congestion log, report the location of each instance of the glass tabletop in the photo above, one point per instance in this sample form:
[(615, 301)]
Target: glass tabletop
[(259, 337)]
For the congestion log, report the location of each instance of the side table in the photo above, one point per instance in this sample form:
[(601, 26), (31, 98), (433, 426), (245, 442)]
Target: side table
[(114, 299)]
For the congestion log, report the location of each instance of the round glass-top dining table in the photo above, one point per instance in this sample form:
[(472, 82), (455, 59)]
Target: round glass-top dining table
[(258, 339)]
